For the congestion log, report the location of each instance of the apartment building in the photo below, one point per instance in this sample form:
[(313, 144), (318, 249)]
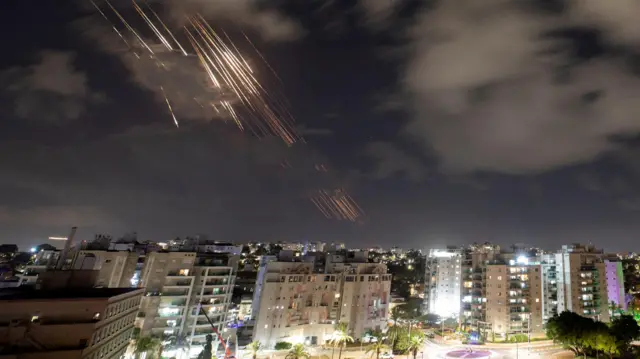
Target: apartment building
[(116, 269), (67, 323), (443, 282), (614, 276), (582, 281), (179, 287), (294, 303), (513, 293), (474, 259)]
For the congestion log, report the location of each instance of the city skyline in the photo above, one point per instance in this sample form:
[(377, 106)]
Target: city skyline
[(478, 138)]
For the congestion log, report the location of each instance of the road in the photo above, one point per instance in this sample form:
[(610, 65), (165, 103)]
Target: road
[(433, 350)]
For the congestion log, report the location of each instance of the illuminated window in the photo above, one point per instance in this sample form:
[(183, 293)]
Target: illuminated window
[(183, 272), (35, 319)]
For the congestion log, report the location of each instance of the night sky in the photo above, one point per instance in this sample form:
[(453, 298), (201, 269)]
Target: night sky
[(451, 121)]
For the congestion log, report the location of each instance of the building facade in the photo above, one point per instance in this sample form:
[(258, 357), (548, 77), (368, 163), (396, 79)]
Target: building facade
[(443, 282), (87, 323), (116, 269), (181, 290), (295, 304), (582, 283)]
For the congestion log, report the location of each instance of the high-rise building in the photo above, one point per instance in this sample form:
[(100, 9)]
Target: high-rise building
[(614, 277), (443, 279), (179, 287), (582, 283), (513, 291), (294, 303), (86, 323)]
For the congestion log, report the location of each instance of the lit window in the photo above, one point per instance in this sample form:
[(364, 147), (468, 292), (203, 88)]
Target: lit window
[(35, 319), (537, 300)]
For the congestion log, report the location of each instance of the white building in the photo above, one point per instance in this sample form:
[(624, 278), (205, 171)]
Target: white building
[(443, 282), (179, 286), (294, 304)]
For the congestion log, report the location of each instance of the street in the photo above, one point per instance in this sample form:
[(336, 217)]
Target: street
[(433, 350)]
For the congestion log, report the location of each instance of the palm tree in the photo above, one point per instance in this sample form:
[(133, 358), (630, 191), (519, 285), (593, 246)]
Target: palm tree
[(376, 348), (299, 351), (254, 348), (415, 343), (341, 337), (394, 332), (148, 345)]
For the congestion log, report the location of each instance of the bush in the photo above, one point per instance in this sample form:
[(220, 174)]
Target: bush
[(283, 346)]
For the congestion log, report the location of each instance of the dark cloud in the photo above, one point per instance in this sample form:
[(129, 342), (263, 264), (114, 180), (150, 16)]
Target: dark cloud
[(484, 99), (391, 161), (303, 130), (155, 179), (51, 91)]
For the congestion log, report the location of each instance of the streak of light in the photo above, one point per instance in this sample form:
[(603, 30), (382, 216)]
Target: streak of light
[(57, 238), (152, 26), (166, 99), (129, 27), (337, 204), (184, 52), (262, 57), (251, 106)]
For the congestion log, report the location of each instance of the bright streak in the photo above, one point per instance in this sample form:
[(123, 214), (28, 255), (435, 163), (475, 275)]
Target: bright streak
[(166, 99), (57, 238)]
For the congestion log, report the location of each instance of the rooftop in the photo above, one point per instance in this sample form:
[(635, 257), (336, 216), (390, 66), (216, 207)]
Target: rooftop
[(29, 293)]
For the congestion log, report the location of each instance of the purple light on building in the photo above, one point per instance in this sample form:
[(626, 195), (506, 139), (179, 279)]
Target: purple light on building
[(615, 284)]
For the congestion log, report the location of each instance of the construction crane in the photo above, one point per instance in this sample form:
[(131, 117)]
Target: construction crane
[(227, 352)]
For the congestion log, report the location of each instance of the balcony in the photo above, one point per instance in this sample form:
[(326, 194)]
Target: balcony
[(179, 283), (179, 273)]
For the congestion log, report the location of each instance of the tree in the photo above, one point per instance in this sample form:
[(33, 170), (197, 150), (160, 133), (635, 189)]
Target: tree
[(431, 318), (298, 351), (254, 348), (149, 345), (378, 346), (395, 332), (571, 330), (624, 329), (412, 343), (282, 346), (341, 337)]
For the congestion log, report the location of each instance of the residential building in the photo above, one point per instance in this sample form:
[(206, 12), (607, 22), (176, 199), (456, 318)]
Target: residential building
[(443, 282), (116, 269), (614, 277), (513, 296), (179, 288), (294, 303), (67, 323), (582, 282)]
